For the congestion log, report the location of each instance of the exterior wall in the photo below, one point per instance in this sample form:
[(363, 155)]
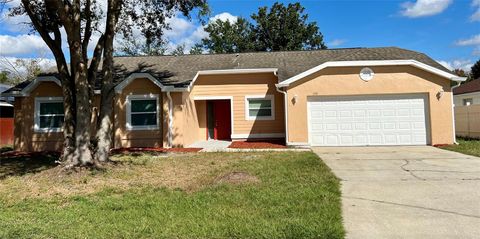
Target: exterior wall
[(458, 99), (467, 121), (25, 137), (388, 80), (124, 138), (190, 114)]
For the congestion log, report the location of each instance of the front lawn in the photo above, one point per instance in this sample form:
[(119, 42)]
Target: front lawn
[(466, 146), (195, 195)]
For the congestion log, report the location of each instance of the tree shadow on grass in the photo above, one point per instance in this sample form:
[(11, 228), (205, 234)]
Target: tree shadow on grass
[(17, 164)]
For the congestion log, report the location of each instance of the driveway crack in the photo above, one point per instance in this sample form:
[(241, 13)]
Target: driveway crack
[(410, 171), (413, 206)]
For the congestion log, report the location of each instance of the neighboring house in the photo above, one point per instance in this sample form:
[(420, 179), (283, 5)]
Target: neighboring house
[(337, 97), (4, 87), (467, 94)]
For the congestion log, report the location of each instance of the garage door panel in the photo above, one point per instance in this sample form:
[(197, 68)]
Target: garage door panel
[(367, 120)]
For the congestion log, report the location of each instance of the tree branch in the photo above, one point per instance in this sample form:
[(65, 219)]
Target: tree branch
[(54, 46), (88, 28), (62, 8), (95, 62)]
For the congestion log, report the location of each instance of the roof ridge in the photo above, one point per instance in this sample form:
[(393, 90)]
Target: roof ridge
[(259, 52)]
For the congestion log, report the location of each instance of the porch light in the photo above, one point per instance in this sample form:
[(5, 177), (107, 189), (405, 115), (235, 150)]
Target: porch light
[(440, 93), (294, 99)]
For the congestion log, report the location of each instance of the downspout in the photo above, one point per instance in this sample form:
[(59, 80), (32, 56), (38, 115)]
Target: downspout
[(170, 119), (453, 113), (285, 100)]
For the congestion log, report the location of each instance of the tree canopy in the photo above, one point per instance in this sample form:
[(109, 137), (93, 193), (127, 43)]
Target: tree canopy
[(78, 23), (475, 71), (229, 37), (278, 28)]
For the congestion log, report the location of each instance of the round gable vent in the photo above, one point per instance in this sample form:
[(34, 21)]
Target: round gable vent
[(366, 74)]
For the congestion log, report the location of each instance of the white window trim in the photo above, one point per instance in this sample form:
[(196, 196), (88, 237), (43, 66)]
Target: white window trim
[(260, 97), (128, 103), (38, 101)]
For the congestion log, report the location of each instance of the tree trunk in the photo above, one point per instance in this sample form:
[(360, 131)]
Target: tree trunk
[(69, 122), (82, 154), (104, 126)]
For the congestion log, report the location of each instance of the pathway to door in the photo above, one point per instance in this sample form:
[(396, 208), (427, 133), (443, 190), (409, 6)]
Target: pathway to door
[(211, 145)]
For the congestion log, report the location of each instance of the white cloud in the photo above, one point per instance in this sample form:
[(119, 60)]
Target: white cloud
[(179, 26), (465, 65), (475, 16), (17, 24), (224, 16), (472, 41), (9, 64), (336, 42), (476, 51), (424, 8), (182, 31), (22, 45), (188, 34)]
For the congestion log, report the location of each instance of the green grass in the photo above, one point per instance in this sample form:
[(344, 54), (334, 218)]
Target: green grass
[(466, 146), (296, 196)]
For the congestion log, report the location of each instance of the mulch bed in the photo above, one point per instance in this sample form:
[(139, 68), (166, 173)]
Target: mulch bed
[(16, 154), (257, 145), (158, 150)]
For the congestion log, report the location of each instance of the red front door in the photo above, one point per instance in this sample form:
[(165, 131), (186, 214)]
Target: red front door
[(219, 120)]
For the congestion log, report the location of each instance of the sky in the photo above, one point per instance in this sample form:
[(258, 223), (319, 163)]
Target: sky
[(446, 30)]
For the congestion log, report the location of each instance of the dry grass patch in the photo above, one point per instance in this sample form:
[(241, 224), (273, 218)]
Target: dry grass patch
[(188, 172), (237, 178), (201, 195)]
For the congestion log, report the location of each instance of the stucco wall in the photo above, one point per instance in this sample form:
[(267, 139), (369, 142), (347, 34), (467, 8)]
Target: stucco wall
[(136, 138), (387, 80), (25, 138), (192, 126)]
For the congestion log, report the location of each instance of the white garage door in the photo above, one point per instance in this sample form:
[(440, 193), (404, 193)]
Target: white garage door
[(367, 120)]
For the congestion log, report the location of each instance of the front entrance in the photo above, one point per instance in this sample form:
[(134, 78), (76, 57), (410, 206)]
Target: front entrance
[(219, 120)]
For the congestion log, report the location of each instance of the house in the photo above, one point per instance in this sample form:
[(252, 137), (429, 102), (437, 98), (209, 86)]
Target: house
[(467, 94), (336, 97)]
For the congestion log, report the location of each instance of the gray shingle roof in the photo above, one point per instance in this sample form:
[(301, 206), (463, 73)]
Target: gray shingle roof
[(180, 70)]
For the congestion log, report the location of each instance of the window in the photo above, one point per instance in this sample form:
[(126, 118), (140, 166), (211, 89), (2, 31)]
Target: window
[(468, 101), (142, 112), (49, 115), (259, 107)]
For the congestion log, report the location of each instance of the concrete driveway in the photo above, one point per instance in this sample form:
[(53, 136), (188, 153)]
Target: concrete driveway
[(407, 192)]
